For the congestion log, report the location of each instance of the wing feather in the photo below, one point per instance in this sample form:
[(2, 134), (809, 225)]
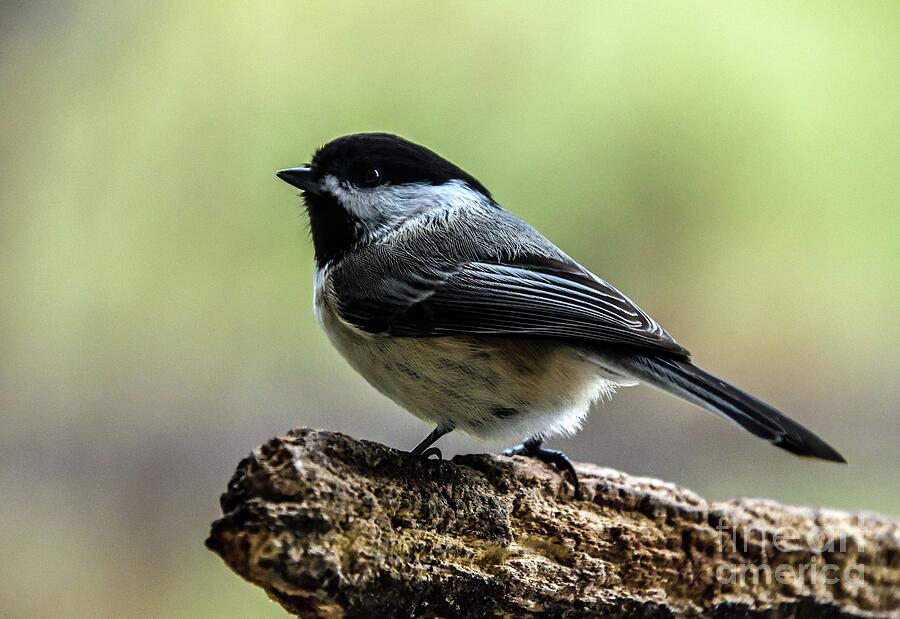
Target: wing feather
[(527, 297)]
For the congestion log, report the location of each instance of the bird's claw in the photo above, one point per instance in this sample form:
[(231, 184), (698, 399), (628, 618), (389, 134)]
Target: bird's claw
[(533, 449), (432, 451)]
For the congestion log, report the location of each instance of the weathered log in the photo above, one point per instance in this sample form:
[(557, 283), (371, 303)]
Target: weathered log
[(331, 526)]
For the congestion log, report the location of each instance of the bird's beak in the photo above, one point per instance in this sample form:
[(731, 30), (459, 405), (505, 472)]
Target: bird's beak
[(302, 178)]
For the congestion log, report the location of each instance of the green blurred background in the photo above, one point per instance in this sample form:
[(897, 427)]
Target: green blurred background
[(732, 166)]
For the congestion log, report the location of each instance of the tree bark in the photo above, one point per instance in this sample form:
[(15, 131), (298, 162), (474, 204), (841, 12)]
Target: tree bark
[(331, 526)]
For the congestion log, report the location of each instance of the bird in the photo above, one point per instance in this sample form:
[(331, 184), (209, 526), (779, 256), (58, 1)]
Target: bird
[(470, 319)]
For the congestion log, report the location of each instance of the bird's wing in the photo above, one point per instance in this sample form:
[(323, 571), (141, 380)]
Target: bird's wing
[(528, 297)]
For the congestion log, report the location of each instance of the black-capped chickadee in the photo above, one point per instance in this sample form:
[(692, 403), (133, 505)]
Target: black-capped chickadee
[(470, 319)]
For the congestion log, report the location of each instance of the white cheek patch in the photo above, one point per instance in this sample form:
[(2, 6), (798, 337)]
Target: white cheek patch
[(333, 185), (386, 207)]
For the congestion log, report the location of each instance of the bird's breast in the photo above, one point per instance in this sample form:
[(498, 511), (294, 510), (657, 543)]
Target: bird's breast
[(485, 386)]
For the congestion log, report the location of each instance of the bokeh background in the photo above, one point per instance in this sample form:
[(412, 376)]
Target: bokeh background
[(732, 166)]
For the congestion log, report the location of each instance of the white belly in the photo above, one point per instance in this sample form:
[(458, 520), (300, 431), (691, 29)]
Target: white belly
[(488, 387)]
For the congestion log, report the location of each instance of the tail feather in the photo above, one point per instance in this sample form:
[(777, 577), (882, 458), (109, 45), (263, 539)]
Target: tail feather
[(686, 380)]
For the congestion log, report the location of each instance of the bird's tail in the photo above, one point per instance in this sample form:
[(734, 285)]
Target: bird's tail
[(686, 380)]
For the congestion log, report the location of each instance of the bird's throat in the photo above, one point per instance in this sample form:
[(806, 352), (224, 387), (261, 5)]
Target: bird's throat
[(334, 230)]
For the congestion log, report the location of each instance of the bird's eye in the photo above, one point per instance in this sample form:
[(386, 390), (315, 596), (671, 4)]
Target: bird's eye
[(372, 177)]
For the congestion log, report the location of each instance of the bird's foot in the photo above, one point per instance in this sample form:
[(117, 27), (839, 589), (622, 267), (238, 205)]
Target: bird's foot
[(432, 451), (424, 448), (533, 448)]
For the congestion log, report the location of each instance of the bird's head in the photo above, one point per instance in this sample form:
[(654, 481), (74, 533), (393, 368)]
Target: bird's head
[(359, 188)]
